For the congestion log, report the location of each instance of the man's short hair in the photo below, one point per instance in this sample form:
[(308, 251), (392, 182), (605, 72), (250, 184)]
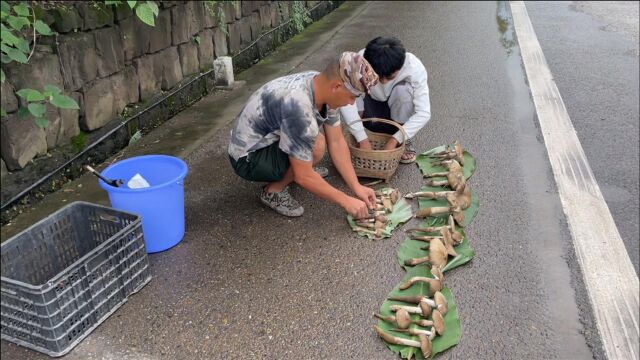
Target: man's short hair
[(332, 69), (386, 55)]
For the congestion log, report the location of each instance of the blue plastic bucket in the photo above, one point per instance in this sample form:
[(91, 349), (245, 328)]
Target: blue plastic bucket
[(161, 205)]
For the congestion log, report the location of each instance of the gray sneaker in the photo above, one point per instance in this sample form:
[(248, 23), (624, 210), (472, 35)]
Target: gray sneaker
[(282, 203), (323, 171)]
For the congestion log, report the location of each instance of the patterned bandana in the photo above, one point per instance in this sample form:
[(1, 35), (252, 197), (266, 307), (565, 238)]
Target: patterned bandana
[(356, 73)]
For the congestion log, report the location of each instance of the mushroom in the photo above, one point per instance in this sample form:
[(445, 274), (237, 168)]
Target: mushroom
[(423, 308), (455, 180), (435, 284), (457, 154), (461, 197), (377, 233), (452, 165), (369, 225), (437, 255), (456, 212), (437, 321), (424, 344), (375, 218), (402, 319), (439, 301)]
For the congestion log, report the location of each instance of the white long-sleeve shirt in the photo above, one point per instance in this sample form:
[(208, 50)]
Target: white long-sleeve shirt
[(412, 71)]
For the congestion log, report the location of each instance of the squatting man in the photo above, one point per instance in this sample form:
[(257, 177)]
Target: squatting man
[(277, 136)]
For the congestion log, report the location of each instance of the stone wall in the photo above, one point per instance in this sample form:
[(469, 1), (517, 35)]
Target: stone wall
[(106, 59)]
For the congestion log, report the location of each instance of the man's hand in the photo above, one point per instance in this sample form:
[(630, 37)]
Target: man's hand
[(391, 144), (357, 208), (367, 195), (365, 145)]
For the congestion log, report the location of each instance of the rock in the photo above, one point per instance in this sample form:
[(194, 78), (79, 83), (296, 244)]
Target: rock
[(212, 11), (79, 59), (99, 104), (275, 14), (255, 25), (169, 63), (125, 88), (43, 69), (109, 51), (180, 31), (20, 141), (205, 49), (135, 38), (248, 7), (223, 71), (3, 169), (232, 11), (234, 37), (149, 76), (196, 17), (220, 43), (160, 35), (123, 11), (285, 10), (265, 16), (66, 19), (245, 30), (9, 101), (53, 128), (188, 58), (95, 14), (69, 125)]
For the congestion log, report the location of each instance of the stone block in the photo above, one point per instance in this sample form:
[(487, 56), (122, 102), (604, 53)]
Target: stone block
[(188, 58), (255, 25), (160, 35), (245, 30), (232, 11), (234, 38), (149, 75), (212, 14), (196, 17), (99, 104), (53, 128), (95, 14), (220, 43), (20, 141), (180, 32), (135, 38), (125, 88), (43, 69), (79, 59), (9, 101), (223, 71), (275, 14), (109, 50), (122, 11), (285, 10), (69, 125), (248, 7), (3, 169), (265, 16), (169, 61), (66, 19), (205, 49)]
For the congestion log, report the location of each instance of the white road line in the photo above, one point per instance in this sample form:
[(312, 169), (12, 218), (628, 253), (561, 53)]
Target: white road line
[(610, 278)]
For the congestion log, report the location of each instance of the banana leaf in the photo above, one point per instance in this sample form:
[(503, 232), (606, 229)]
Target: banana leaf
[(450, 338), (410, 249), (424, 162), (401, 213), (469, 213)]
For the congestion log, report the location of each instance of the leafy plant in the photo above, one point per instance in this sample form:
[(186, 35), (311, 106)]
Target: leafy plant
[(299, 16), (16, 23), (215, 9)]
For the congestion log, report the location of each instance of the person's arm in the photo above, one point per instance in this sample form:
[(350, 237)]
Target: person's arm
[(341, 157), (351, 117), (422, 108), (305, 176)]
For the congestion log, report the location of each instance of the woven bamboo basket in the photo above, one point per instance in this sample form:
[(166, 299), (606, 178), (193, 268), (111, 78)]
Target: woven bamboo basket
[(376, 163)]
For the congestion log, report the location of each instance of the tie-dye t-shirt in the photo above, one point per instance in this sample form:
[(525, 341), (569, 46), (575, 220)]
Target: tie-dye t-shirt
[(281, 110)]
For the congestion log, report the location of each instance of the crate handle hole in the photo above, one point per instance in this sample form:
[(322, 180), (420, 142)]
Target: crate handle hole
[(108, 217)]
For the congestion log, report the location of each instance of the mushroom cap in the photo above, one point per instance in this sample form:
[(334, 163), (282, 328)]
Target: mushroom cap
[(395, 196), (379, 225), (448, 241), (458, 215), (438, 322), (425, 345), (425, 307), (437, 253), (403, 318), (441, 303), (437, 272)]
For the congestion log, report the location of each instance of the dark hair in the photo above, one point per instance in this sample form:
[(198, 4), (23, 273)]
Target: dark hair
[(385, 54)]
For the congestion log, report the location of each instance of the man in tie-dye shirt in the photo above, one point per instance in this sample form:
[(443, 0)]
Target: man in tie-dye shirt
[(277, 136)]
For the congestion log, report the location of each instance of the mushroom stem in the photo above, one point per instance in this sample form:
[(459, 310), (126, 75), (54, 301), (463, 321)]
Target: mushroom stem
[(417, 332), (434, 284), (439, 301), (456, 212), (377, 233), (424, 344), (423, 308)]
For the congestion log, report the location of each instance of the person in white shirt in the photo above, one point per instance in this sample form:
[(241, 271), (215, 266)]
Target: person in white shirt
[(401, 95)]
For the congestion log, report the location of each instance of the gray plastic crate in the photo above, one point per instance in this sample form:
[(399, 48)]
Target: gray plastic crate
[(66, 274)]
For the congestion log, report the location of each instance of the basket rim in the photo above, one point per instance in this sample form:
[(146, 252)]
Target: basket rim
[(401, 147)]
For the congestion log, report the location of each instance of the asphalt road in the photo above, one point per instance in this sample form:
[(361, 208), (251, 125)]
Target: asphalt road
[(592, 51), (247, 283)]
